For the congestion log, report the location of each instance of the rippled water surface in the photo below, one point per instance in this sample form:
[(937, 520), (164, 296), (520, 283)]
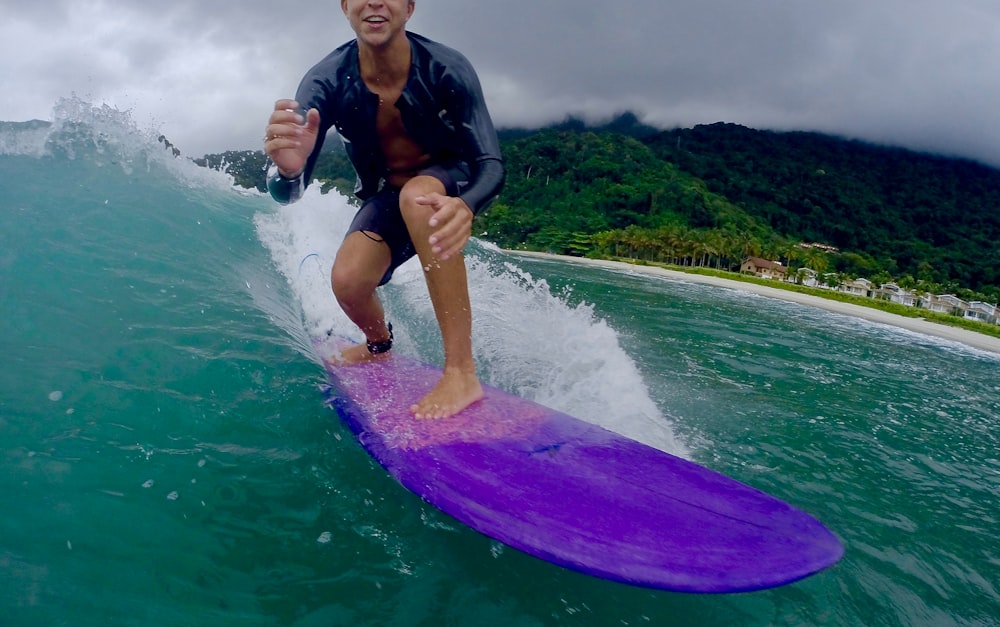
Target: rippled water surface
[(166, 457)]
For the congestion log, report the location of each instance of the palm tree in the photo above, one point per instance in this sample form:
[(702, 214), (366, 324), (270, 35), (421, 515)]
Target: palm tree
[(817, 260), (715, 241)]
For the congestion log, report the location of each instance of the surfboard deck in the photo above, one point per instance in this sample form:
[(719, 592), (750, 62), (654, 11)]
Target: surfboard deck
[(573, 493)]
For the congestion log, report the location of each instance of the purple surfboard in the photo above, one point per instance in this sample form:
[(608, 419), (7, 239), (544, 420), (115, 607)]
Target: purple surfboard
[(576, 494)]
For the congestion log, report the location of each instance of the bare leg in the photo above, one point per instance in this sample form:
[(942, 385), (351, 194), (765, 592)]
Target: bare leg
[(449, 291), (360, 264)]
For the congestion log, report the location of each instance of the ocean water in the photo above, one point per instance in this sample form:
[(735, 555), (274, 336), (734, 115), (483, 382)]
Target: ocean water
[(166, 457)]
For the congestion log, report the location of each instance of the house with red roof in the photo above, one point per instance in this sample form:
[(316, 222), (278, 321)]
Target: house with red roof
[(764, 268)]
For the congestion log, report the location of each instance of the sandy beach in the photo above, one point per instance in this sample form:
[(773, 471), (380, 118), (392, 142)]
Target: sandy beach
[(917, 325)]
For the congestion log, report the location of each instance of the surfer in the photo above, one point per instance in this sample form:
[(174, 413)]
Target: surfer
[(414, 122)]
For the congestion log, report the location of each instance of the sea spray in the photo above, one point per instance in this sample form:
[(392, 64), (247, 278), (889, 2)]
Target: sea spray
[(526, 340)]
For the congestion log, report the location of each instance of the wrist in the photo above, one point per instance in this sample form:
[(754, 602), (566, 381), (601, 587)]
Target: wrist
[(284, 189), (467, 206)]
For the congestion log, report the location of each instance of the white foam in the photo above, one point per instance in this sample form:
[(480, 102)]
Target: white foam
[(527, 340), (303, 239), (536, 344), (106, 135)]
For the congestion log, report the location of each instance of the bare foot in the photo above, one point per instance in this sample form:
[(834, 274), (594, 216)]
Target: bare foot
[(454, 392), (356, 354)]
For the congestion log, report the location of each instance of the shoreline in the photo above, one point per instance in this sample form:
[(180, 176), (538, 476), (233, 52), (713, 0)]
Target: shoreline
[(917, 325)]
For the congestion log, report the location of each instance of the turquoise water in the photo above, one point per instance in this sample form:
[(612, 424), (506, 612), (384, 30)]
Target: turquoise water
[(166, 457)]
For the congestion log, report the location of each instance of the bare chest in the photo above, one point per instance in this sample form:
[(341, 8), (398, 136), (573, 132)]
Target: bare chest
[(401, 152)]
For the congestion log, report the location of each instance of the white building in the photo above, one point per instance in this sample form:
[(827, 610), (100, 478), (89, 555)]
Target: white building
[(857, 287), (946, 304), (984, 312), (893, 293)]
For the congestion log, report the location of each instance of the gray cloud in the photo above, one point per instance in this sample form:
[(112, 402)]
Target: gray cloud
[(917, 73)]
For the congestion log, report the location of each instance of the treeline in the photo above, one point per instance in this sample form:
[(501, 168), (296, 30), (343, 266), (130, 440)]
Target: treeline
[(248, 168), (928, 217), (714, 195)]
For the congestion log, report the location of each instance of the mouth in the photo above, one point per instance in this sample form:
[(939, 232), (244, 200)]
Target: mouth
[(376, 19)]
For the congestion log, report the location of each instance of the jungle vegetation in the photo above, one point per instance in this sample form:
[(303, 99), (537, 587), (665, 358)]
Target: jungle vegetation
[(713, 195)]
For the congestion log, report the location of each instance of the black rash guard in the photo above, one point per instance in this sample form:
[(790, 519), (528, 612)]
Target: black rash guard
[(442, 109)]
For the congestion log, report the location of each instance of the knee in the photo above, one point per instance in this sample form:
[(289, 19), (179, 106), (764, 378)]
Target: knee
[(408, 201), (350, 285), (415, 188)]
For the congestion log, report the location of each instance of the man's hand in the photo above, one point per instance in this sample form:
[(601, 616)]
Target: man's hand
[(453, 220), (290, 137)]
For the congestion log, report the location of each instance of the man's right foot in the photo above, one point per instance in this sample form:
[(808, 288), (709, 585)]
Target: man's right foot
[(455, 391)]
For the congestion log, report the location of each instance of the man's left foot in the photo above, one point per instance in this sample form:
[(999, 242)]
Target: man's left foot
[(365, 353), (454, 392), (356, 354)]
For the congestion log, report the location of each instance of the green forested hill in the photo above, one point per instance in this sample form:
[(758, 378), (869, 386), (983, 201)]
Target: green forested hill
[(713, 194), (925, 216), (582, 191), (590, 182), (248, 168)]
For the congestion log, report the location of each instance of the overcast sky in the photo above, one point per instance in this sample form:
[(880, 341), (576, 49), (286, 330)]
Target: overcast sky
[(923, 74)]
